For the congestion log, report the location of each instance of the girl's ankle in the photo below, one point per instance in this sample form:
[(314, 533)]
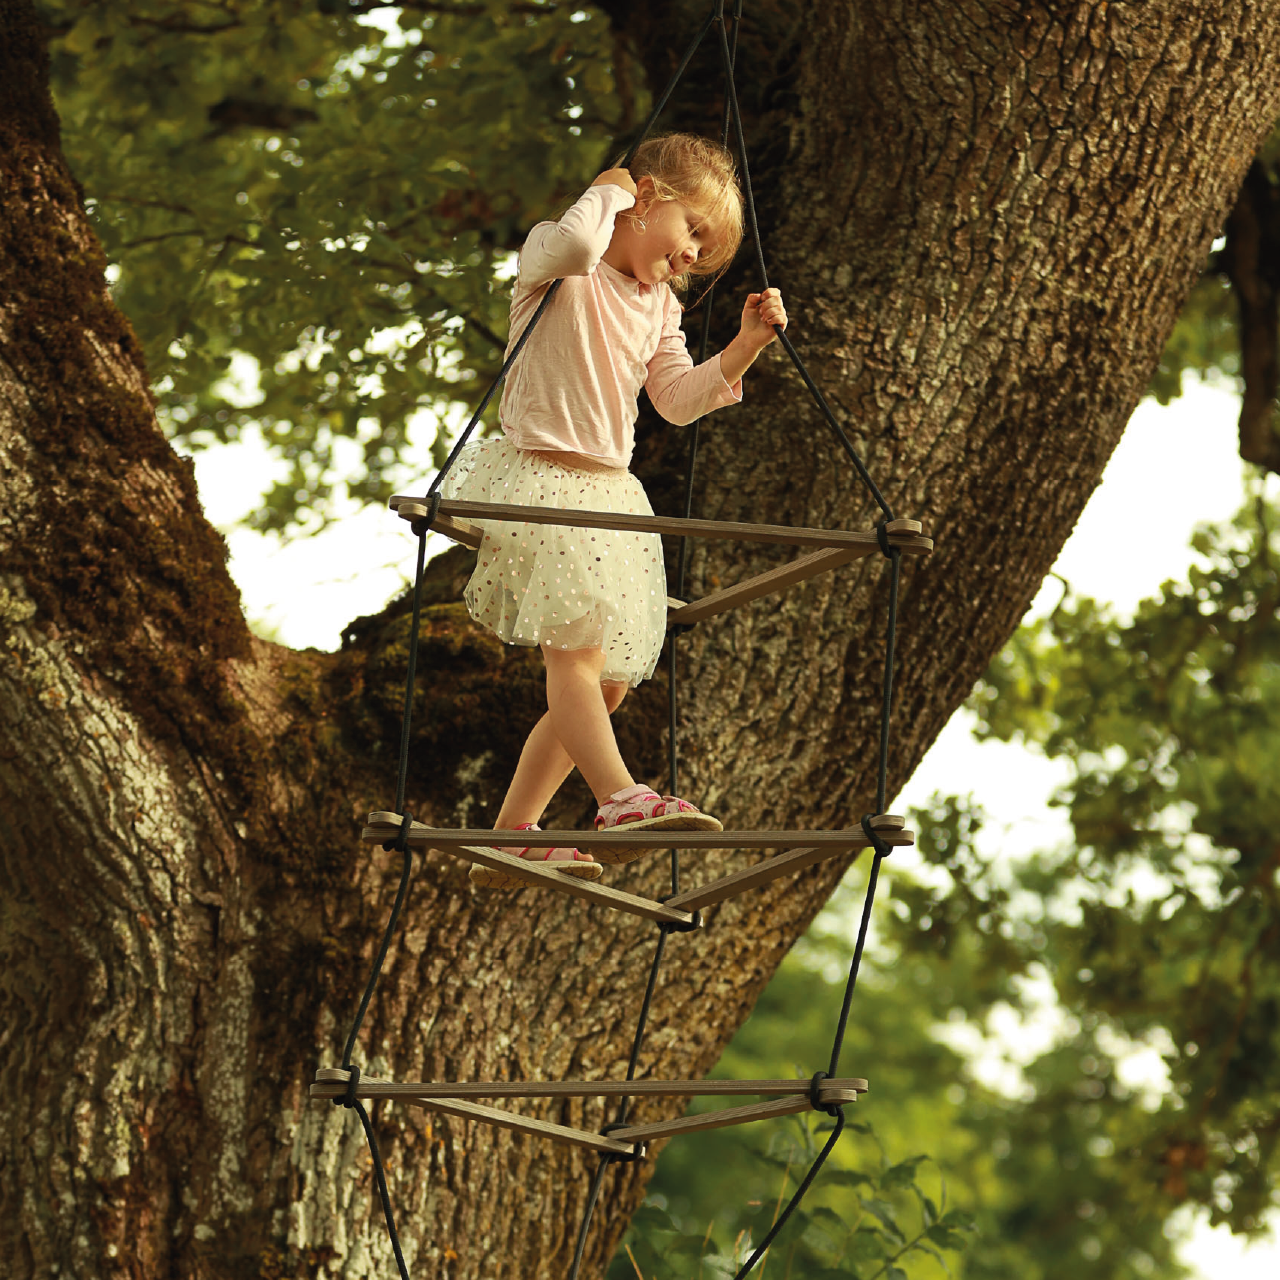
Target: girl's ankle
[(626, 792)]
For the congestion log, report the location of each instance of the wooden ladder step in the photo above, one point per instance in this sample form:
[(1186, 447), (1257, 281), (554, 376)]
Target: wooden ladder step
[(904, 534), (686, 613), (383, 826), (331, 1082)]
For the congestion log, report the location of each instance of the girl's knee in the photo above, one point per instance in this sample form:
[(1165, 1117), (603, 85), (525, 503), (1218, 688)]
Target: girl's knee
[(614, 692)]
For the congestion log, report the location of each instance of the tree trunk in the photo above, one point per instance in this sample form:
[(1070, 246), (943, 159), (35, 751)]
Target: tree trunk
[(985, 217)]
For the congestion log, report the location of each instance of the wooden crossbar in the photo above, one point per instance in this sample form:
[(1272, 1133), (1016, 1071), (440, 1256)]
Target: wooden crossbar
[(752, 877), (331, 1082), (535, 873), (383, 826), (762, 584), (684, 613), (864, 543), (726, 1116)]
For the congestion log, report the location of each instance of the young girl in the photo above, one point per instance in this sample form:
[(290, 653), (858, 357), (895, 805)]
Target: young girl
[(594, 601)]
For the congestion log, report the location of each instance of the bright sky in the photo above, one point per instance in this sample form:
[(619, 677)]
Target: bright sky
[(1175, 468)]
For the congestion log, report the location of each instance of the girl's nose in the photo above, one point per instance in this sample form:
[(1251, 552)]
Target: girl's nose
[(688, 255)]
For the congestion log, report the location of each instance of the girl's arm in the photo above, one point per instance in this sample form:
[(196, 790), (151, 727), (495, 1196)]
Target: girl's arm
[(682, 391), (574, 245), (761, 312)]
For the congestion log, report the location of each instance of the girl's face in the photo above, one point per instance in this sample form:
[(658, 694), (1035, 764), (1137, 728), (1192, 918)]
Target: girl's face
[(672, 240)]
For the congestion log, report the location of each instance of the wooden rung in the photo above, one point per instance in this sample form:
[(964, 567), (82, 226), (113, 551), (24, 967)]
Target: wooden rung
[(331, 1082), (469, 535), (383, 827), (763, 584), (730, 1115), (797, 536), (784, 864), (494, 1116), (535, 873)]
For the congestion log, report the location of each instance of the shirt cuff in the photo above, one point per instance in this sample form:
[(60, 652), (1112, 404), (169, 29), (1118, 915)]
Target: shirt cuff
[(728, 394)]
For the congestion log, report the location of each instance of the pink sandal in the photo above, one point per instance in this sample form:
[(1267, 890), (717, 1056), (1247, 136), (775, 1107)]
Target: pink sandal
[(569, 862), (638, 808)]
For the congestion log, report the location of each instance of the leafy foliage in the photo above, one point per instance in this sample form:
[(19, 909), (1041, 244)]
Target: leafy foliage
[(331, 190), (1011, 1186), (1156, 928), (1162, 921)]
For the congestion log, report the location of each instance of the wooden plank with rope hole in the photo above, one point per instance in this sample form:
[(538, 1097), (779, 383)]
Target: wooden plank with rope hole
[(906, 535), (331, 1082), (730, 1116), (384, 826)]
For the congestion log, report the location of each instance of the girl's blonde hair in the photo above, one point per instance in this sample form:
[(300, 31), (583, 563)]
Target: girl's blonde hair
[(702, 175)]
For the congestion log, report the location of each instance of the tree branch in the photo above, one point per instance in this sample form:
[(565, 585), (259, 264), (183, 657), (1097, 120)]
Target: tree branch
[(1251, 260)]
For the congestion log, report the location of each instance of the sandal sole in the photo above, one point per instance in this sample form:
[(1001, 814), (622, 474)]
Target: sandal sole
[(667, 822)]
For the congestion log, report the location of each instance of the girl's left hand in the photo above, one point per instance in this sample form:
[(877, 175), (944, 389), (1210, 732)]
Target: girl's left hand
[(760, 313)]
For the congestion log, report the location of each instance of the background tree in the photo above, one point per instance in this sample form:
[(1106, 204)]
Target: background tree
[(986, 283)]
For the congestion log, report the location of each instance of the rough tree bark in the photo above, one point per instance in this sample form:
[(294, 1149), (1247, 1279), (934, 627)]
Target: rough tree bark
[(986, 216)]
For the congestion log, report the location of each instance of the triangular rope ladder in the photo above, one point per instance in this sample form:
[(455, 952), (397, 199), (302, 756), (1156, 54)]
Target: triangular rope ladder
[(679, 911)]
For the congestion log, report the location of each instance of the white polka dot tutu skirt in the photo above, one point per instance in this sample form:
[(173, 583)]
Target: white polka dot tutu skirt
[(552, 585)]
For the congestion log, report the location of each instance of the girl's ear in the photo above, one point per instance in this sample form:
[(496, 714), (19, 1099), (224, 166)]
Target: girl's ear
[(644, 193)]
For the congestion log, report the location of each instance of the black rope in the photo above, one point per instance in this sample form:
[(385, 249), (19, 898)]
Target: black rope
[(804, 1186), (382, 953), (704, 342), (873, 838), (587, 1216), (421, 527), (886, 704), (752, 222), (383, 1194), (852, 981)]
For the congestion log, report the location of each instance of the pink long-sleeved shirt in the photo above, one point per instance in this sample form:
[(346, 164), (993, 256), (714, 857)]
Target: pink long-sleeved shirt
[(604, 336)]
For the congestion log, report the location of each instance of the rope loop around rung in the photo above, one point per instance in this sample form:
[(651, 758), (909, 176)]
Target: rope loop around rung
[(638, 1152), (874, 838), (815, 1094), (400, 843), (348, 1099), (692, 925), (882, 537)]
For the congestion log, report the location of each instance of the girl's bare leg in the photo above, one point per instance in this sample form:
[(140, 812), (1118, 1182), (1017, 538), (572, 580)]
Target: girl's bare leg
[(573, 683)]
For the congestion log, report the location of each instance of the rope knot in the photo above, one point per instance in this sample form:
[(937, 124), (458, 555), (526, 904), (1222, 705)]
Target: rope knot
[(815, 1099), (348, 1099), (399, 845), (692, 925), (422, 524), (874, 838), (882, 537), (638, 1150)]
